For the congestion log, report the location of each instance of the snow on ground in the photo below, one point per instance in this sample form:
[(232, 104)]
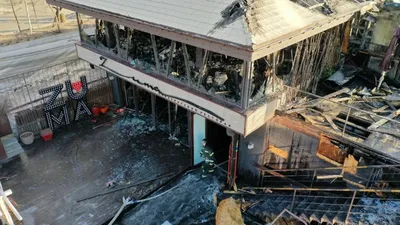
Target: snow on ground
[(43, 12), (79, 161), (37, 54)]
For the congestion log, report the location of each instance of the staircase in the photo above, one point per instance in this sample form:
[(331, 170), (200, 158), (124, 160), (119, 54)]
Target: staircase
[(329, 209)]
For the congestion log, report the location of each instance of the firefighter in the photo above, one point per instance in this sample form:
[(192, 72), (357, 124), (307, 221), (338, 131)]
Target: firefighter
[(209, 160)]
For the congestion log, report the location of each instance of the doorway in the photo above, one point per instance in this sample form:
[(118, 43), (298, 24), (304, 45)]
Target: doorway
[(218, 140)]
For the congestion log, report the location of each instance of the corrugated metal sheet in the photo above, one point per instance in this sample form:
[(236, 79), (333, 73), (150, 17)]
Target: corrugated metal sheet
[(264, 20)]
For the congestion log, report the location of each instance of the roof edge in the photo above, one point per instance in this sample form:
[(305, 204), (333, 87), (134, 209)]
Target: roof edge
[(272, 46), (197, 40)]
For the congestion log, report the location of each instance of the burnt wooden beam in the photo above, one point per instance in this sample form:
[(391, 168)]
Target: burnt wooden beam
[(203, 67), (187, 67), (116, 31), (97, 33), (155, 50), (128, 41), (246, 85), (171, 54)]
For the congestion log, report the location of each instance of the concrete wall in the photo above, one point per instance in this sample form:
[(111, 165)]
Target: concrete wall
[(248, 157)]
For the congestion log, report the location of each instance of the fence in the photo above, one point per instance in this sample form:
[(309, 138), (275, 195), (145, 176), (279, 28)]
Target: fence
[(25, 103)]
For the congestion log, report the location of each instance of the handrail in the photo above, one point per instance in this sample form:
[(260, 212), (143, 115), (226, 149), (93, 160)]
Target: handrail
[(331, 168), (368, 190)]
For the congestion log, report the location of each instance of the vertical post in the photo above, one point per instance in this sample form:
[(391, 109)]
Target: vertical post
[(294, 197), (29, 18), (135, 95), (27, 89), (79, 26), (58, 18), (15, 15), (169, 118), (187, 67), (129, 42), (116, 33), (351, 206), (190, 131), (155, 51), (153, 109), (248, 69), (170, 55), (96, 33), (345, 123), (313, 178), (203, 67), (34, 11)]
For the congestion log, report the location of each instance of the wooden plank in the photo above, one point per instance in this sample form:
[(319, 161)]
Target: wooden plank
[(279, 152), (328, 160), (341, 99), (308, 118), (351, 124), (381, 109), (330, 121), (296, 110), (329, 177), (350, 165), (383, 121)]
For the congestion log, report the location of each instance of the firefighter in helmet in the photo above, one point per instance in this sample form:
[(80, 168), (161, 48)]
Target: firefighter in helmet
[(209, 160)]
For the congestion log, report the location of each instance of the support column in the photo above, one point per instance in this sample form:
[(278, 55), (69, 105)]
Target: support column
[(153, 109), (135, 94), (246, 84), (169, 119), (233, 161), (190, 130), (115, 88)]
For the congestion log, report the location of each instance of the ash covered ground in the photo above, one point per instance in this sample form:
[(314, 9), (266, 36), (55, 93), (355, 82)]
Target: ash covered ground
[(49, 178), (189, 204)]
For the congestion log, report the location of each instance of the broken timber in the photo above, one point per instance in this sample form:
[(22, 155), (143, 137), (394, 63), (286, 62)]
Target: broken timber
[(383, 121)]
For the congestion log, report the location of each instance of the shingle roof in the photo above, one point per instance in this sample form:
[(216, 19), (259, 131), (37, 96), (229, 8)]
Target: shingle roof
[(263, 20)]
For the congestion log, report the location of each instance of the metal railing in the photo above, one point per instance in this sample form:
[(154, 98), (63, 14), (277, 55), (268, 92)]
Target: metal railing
[(22, 90), (370, 176), (307, 201)]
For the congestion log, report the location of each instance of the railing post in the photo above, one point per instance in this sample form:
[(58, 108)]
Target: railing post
[(345, 124), (313, 178), (351, 206), (294, 196)]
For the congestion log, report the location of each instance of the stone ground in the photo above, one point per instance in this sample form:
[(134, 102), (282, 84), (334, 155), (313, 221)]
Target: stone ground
[(50, 176)]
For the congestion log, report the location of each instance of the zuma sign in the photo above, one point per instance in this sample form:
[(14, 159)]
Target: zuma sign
[(51, 105)]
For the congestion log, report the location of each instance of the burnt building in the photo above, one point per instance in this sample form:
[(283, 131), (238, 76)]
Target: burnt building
[(221, 66)]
